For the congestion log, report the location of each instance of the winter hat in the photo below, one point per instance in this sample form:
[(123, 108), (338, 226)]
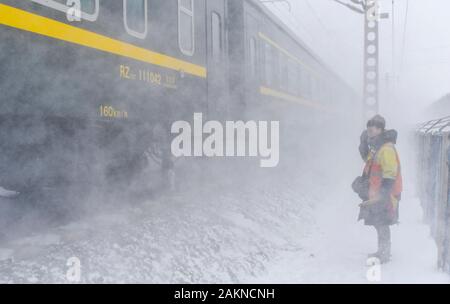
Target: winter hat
[(377, 121)]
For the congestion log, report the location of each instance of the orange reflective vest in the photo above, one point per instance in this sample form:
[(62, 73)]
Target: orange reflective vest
[(385, 164)]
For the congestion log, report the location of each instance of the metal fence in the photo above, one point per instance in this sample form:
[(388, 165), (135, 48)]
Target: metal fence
[(433, 157)]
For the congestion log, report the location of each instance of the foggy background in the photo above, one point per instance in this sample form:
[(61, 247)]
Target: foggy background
[(414, 67)]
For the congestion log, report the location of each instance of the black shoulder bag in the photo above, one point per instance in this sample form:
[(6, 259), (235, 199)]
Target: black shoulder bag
[(361, 184)]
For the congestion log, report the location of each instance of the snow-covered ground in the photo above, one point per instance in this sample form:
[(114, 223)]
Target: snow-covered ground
[(291, 225), (220, 231), (336, 249), (336, 252)]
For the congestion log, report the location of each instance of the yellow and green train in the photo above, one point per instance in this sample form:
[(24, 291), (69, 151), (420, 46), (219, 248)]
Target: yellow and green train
[(85, 84)]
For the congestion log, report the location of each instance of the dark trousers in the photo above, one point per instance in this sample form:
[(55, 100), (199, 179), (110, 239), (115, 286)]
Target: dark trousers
[(384, 240)]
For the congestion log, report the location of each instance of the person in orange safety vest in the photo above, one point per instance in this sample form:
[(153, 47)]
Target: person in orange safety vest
[(383, 171)]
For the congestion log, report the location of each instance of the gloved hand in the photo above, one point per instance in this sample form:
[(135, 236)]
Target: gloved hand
[(364, 145)]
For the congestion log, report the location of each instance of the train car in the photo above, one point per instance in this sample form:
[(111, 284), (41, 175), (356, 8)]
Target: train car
[(85, 92), (281, 70), (282, 79), (88, 90)]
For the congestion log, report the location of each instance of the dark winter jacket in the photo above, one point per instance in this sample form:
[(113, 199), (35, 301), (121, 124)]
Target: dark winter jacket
[(364, 145), (374, 144), (383, 169)]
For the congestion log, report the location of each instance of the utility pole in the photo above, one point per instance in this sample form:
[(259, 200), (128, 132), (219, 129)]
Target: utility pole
[(370, 10), (393, 38), (393, 73)]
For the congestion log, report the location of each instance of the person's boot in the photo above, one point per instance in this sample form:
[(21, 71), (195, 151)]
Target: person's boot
[(378, 252), (385, 253)]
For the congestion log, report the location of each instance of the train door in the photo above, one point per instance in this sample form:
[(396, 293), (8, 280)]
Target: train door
[(251, 56), (218, 89)]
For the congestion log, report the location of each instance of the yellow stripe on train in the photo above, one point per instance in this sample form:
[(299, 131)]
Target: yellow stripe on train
[(29, 22), (291, 98)]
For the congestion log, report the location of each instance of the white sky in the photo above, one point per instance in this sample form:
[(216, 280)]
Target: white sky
[(422, 66)]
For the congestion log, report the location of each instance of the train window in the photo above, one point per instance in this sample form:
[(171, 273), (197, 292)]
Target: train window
[(268, 63), (298, 81), (135, 17), (252, 55), (281, 70), (216, 32), (292, 78), (89, 8), (284, 72), (275, 67), (186, 28)]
